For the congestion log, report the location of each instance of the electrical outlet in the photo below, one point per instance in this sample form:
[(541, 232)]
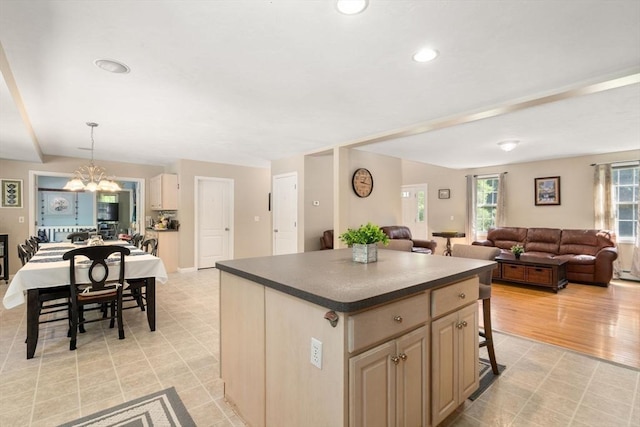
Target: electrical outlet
[(316, 353)]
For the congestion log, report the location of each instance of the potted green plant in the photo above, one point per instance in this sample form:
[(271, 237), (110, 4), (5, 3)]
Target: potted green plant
[(363, 242), (517, 250)]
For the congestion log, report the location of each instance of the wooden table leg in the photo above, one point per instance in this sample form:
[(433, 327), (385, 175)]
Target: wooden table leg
[(151, 302), (33, 296)]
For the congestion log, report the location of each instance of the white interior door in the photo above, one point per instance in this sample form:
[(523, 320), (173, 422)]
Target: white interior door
[(214, 221), (285, 214), (414, 209)]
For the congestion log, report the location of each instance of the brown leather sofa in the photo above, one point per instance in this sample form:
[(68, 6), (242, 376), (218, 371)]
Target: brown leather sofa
[(403, 233), (589, 253)]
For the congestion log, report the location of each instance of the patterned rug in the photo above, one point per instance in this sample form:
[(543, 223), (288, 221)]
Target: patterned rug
[(163, 408), (486, 377)]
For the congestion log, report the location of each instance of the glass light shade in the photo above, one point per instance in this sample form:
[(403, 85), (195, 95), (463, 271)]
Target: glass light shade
[(351, 7), (74, 184), (91, 186)]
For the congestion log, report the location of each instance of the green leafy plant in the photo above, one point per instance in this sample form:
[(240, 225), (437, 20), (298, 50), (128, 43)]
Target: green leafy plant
[(517, 250), (366, 234)]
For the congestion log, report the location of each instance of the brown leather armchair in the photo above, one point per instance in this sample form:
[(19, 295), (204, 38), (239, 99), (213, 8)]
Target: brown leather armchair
[(403, 233), (326, 241)]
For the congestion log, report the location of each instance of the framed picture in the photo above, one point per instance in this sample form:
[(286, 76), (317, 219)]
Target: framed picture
[(444, 193), (547, 191), (60, 203), (11, 193)]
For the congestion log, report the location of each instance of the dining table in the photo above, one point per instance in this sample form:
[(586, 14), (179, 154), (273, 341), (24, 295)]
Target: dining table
[(47, 269)]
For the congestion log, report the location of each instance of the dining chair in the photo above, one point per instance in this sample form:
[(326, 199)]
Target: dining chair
[(150, 246), (134, 287), (79, 236), (23, 254), (96, 288), (489, 254), (136, 240), (50, 300)]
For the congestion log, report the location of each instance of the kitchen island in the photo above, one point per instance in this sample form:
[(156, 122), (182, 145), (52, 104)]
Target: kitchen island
[(316, 339)]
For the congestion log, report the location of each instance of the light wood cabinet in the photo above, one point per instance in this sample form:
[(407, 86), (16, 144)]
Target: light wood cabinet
[(388, 385), (454, 369), (167, 247), (164, 192)]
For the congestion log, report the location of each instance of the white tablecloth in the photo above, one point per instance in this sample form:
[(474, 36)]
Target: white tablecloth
[(48, 269)]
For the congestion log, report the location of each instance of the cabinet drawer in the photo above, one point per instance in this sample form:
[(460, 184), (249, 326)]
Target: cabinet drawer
[(542, 275), (377, 324), (513, 272), (452, 297)]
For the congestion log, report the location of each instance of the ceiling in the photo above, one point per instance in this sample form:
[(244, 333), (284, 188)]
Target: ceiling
[(250, 81)]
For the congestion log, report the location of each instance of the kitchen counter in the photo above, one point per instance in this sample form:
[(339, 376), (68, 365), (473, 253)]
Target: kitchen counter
[(315, 339), (331, 279)]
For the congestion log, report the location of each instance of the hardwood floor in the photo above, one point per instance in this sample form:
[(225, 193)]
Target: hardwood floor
[(597, 321)]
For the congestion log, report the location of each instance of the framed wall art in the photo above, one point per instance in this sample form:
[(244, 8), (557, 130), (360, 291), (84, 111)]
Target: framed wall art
[(60, 203), (444, 193), (11, 193), (547, 191)]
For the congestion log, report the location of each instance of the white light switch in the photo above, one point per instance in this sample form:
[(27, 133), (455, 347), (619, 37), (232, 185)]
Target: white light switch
[(256, 218), (20, 219), (316, 203)]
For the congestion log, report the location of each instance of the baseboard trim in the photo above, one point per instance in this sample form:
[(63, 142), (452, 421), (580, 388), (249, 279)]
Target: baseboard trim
[(187, 270)]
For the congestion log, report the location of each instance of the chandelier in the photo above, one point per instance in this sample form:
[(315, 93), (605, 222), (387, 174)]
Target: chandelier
[(91, 178)]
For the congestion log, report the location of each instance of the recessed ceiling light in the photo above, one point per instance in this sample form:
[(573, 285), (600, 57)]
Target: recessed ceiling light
[(508, 145), (112, 66), (351, 7), (425, 55)]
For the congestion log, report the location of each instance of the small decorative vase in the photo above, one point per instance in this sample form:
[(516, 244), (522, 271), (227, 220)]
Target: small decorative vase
[(517, 256), (365, 253)]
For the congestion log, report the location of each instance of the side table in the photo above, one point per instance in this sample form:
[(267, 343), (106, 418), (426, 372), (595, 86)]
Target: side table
[(448, 235)]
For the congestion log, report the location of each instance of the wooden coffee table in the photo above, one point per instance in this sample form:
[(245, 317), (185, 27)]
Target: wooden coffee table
[(545, 272)]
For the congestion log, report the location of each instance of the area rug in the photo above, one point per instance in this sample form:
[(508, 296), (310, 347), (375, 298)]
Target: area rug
[(163, 408), (486, 377)]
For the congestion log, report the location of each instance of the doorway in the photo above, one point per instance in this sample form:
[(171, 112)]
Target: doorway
[(414, 209), (285, 214), (214, 221)]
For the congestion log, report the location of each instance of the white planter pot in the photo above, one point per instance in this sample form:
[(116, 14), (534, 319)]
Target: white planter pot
[(365, 253)]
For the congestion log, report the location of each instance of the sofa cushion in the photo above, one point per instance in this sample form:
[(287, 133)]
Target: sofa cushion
[(397, 232), (577, 259), (543, 240), (506, 237), (585, 241)]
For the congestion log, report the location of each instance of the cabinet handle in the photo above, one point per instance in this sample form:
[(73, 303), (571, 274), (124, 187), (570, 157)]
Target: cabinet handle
[(459, 326), (397, 319), (403, 356), (462, 295), (464, 323), (395, 360)]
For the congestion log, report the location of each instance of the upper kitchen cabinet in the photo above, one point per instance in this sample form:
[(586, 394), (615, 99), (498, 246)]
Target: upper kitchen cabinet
[(164, 192)]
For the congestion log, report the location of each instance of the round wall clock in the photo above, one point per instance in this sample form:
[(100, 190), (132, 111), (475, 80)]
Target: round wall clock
[(362, 182)]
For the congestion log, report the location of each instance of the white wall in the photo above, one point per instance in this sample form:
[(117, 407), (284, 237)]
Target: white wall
[(318, 187)]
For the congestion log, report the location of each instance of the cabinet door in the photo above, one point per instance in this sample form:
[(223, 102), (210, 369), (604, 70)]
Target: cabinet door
[(468, 352), (372, 387), (412, 378), (444, 372), (155, 192)]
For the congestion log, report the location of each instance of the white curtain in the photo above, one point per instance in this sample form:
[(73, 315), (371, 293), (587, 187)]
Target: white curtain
[(470, 229), (501, 210), (604, 203)]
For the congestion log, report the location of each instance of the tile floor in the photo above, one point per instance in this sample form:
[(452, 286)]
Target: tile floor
[(542, 386)]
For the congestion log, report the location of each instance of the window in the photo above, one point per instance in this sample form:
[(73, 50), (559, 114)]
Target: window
[(486, 203), (625, 197)]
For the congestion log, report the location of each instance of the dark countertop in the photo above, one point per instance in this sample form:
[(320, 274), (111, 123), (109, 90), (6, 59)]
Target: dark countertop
[(331, 279)]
